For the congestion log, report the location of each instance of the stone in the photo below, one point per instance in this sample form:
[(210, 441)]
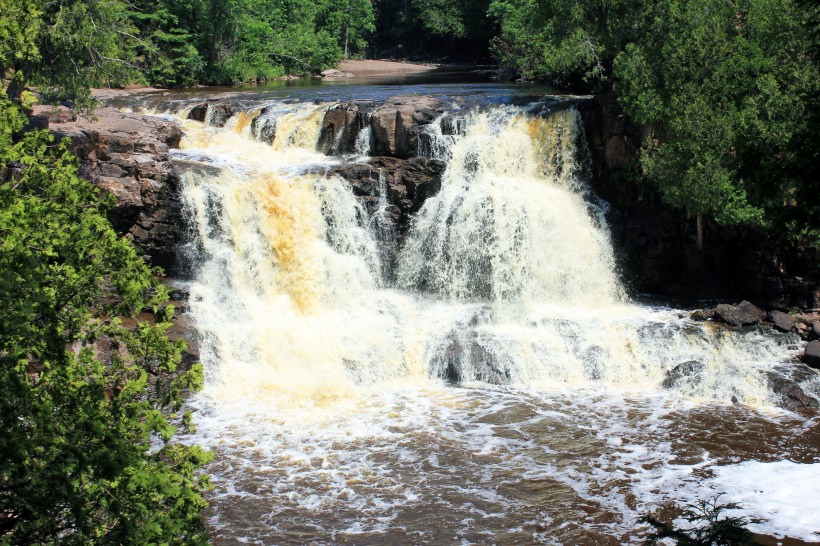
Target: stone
[(789, 394), (782, 321), (812, 354), (815, 331), (128, 156), (702, 314), (742, 314), (213, 113), (333, 73), (397, 123), (684, 373), (466, 359)]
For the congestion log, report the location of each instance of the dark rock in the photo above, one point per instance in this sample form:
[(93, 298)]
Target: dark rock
[(702, 314), (782, 321), (199, 112), (213, 113), (263, 127), (465, 359), (409, 183), (790, 394), (685, 373), (812, 354), (815, 331), (743, 314), (341, 127)]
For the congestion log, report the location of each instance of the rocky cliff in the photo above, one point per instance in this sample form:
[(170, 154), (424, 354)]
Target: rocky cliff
[(127, 156)]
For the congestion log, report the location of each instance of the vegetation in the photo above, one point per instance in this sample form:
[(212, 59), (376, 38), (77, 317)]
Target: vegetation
[(726, 90), (86, 405), (460, 29), (707, 526)]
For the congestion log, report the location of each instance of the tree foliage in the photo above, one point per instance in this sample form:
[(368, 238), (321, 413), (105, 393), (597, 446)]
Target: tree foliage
[(726, 91), (66, 46), (84, 411), (434, 28)]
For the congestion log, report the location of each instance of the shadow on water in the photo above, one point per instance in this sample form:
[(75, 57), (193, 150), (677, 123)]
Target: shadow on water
[(459, 86)]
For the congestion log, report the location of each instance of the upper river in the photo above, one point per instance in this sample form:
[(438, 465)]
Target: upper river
[(476, 376)]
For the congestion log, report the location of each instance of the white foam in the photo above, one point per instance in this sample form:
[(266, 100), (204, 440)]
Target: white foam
[(784, 493)]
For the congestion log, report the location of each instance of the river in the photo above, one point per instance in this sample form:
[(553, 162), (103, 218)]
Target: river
[(480, 378)]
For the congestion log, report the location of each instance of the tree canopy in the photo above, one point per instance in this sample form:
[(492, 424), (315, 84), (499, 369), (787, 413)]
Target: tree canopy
[(86, 405), (726, 91)]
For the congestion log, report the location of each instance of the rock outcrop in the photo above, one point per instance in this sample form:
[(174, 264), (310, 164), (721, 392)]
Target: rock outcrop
[(742, 314), (408, 183), (812, 354), (397, 123), (127, 156)]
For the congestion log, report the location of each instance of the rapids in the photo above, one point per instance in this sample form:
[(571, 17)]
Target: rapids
[(492, 385)]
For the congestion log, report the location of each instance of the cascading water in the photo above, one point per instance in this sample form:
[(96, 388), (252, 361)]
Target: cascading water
[(324, 399)]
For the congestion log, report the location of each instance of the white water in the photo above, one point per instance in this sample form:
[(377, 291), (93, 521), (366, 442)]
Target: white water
[(324, 393)]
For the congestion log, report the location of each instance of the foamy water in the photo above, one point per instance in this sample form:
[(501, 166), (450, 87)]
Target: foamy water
[(326, 402)]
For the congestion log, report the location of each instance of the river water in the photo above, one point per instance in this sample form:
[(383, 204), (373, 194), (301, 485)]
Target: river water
[(331, 348)]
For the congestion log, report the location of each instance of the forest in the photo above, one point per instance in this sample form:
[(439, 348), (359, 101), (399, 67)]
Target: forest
[(726, 94)]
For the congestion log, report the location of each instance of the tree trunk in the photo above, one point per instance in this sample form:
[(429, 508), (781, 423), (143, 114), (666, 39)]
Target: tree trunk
[(18, 83), (347, 36), (699, 241)]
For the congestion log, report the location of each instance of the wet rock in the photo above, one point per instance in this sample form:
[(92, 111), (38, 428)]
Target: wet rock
[(790, 395), (742, 314), (342, 125), (397, 123), (812, 354), (685, 373), (702, 314), (782, 321), (213, 113), (409, 183), (263, 127), (128, 156), (465, 359)]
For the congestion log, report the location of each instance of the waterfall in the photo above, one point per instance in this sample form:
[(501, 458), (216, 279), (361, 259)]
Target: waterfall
[(471, 369), (505, 276), (509, 222)]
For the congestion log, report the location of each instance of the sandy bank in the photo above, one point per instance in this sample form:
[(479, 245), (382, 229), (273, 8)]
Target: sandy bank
[(372, 67)]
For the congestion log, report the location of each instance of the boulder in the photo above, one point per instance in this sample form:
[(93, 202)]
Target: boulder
[(684, 373), (789, 394), (333, 73), (213, 113), (782, 321), (812, 354), (342, 125), (815, 331), (466, 359), (397, 124), (742, 314), (409, 183), (702, 314)]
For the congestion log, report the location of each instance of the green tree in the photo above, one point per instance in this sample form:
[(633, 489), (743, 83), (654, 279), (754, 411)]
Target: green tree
[(84, 424), (68, 46), (724, 90)]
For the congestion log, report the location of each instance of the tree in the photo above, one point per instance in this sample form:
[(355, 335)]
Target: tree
[(85, 426), (70, 45), (724, 90)]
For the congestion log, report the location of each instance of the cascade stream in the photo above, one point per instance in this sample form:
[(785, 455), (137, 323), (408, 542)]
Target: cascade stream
[(476, 377)]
